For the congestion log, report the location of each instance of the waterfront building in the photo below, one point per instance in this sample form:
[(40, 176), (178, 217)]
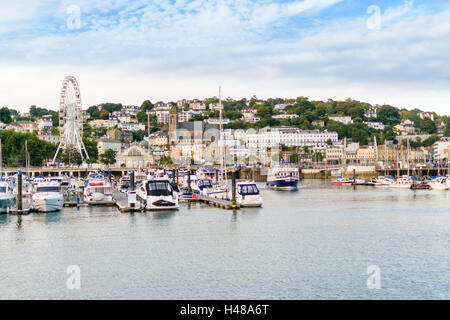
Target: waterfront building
[(290, 137), (135, 156), (441, 149)]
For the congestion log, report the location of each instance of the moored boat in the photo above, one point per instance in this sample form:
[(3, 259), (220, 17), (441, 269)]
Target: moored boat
[(283, 178), (48, 197), (157, 194)]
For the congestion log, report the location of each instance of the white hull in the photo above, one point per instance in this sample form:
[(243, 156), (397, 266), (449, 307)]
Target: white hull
[(48, 205), (7, 203), (99, 198)]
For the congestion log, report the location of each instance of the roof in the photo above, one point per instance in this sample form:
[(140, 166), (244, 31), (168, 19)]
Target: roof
[(196, 126)]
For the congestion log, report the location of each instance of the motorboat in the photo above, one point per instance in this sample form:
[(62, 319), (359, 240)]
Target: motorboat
[(157, 194), (48, 197), (401, 183), (98, 191), (440, 183), (346, 181), (248, 195), (283, 178)]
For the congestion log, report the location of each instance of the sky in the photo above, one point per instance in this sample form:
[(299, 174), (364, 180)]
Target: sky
[(381, 52)]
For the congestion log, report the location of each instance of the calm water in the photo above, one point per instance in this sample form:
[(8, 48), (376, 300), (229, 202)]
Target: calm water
[(312, 244)]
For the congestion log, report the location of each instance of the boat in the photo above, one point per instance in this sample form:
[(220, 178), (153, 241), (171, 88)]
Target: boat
[(401, 183), (48, 197), (8, 201), (98, 190), (381, 181), (248, 195), (440, 183), (124, 183), (283, 178), (157, 194), (346, 181)]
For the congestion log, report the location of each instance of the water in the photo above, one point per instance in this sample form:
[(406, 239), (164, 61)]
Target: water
[(316, 243)]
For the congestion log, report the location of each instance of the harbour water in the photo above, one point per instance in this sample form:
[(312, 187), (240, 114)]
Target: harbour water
[(316, 243)]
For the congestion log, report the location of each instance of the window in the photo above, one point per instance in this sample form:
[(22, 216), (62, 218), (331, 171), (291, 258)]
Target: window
[(158, 188), (248, 189), (2, 189), (47, 189)]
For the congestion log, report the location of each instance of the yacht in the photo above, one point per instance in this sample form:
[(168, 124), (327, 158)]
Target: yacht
[(346, 181), (8, 200), (248, 195), (401, 183), (98, 190), (440, 183), (48, 197), (158, 194), (283, 178)]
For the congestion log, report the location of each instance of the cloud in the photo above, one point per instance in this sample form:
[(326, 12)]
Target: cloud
[(131, 51)]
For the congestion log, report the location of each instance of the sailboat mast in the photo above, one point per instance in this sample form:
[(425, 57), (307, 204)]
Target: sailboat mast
[(1, 159)]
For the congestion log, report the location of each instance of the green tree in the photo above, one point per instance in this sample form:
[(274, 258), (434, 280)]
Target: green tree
[(91, 148), (389, 115), (5, 115), (108, 157), (104, 114), (142, 114), (293, 158)]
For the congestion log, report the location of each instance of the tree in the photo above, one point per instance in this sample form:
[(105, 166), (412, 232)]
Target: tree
[(91, 148), (317, 157), (5, 115), (142, 114), (263, 111), (293, 158), (329, 142), (389, 115), (104, 114), (108, 157), (70, 156)]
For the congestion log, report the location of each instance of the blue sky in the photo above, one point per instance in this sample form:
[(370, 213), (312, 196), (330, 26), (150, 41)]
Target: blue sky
[(128, 51)]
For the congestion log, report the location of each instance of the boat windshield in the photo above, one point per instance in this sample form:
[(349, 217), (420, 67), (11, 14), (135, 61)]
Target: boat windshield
[(47, 189), (2, 189), (248, 189), (158, 188), (103, 190), (204, 183)]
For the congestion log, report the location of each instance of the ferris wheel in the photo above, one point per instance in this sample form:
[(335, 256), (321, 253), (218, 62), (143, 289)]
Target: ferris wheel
[(71, 118)]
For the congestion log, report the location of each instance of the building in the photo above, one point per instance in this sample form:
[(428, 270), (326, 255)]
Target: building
[(45, 124), (55, 139), (103, 124), (27, 126), (370, 113), (135, 156), (131, 126), (104, 144), (217, 121), (375, 125), (343, 119), (285, 116), (280, 107), (423, 115), (290, 137), (319, 123), (441, 149), (158, 139)]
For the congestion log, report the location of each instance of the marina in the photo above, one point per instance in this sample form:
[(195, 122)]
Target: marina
[(309, 251)]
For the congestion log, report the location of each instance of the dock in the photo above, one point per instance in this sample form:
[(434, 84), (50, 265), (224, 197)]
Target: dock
[(122, 202), (221, 203)]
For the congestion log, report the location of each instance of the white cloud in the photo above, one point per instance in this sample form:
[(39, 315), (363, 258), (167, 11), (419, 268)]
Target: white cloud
[(186, 49)]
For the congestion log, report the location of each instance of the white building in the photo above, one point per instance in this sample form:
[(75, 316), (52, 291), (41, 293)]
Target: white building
[(45, 124), (371, 113), (131, 126), (342, 119), (285, 116), (217, 121), (290, 137), (441, 149), (104, 144), (375, 125)]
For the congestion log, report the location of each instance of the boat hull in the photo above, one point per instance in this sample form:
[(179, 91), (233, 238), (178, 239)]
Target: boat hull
[(285, 184), (48, 205), (7, 204)]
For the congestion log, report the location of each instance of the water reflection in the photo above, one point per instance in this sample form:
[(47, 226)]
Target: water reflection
[(4, 219), (161, 215), (53, 217)]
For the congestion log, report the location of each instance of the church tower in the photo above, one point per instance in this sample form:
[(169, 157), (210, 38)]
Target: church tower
[(173, 123)]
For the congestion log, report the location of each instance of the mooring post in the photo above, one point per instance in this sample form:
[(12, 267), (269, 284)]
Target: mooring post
[(132, 180), (354, 178), (217, 176), (233, 190), (109, 175), (19, 191), (176, 172)]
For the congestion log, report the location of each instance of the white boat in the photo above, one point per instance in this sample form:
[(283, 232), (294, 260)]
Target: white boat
[(381, 181), (8, 200), (248, 195), (98, 191), (440, 183), (283, 178), (48, 197), (157, 194), (401, 183)]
